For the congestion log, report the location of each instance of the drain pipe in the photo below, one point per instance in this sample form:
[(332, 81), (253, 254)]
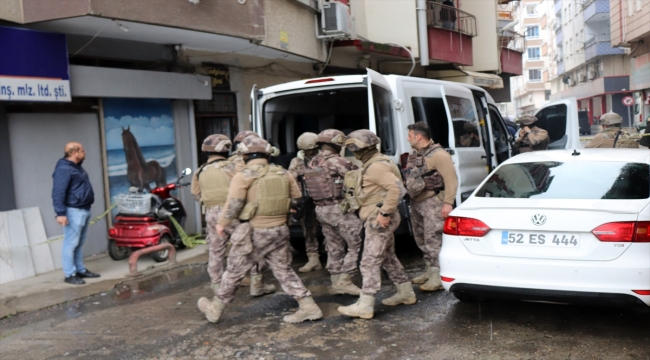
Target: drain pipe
[(421, 8)]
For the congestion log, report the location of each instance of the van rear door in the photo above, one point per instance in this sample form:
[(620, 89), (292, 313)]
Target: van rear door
[(381, 119), (560, 120), (254, 117)]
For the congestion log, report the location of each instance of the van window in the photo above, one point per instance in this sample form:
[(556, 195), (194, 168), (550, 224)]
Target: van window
[(553, 120), (384, 118), (465, 123), (288, 116), (433, 112)]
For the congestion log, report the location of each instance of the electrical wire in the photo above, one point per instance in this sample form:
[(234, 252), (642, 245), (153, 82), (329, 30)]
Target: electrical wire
[(89, 41), (327, 61)]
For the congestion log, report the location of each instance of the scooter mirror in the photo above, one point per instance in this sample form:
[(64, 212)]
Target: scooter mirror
[(186, 172)]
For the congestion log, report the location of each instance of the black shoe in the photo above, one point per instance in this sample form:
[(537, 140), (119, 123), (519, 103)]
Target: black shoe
[(75, 280), (87, 274)]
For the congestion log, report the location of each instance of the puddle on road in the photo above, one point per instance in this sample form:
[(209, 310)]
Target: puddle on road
[(135, 288), (329, 309)]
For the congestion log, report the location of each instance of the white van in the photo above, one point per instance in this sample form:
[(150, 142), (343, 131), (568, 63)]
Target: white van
[(387, 104)]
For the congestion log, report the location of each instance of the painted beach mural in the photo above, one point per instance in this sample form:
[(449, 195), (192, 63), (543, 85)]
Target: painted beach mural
[(140, 144)]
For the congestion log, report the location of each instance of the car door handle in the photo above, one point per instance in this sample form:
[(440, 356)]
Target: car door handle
[(483, 157)]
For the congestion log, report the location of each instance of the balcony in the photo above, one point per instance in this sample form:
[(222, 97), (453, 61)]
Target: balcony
[(595, 11), (511, 47), (557, 25), (559, 37), (600, 45), (450, 33), (558, 7)]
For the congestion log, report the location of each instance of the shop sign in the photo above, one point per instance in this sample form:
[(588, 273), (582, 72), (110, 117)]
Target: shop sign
[(33, 66)]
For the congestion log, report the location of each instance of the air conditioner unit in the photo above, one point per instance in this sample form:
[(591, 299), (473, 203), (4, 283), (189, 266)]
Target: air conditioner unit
[(570, 82), (591, 74), (334, 21), (581, 77)]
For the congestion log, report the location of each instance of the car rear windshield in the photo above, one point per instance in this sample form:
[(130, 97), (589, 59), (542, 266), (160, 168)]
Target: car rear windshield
[(570, 180)]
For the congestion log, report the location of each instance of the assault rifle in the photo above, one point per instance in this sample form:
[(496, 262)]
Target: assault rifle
[(306, 204)]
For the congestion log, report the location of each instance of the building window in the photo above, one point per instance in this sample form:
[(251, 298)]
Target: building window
[(547, 95), (531, 10), (534, 75), (533, 53), (532, 32)]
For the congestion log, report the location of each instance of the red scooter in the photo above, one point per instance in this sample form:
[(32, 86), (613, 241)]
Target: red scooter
[(143, 220)]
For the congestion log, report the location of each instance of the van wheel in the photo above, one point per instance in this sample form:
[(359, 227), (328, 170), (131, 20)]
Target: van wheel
[(162, 255), (117, 253), (467, 297)]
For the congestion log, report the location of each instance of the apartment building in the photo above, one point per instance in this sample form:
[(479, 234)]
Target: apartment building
[(532, 89), (630, 29), (589, 67)]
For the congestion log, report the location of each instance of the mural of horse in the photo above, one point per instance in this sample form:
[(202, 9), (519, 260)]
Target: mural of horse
[(139, 172)]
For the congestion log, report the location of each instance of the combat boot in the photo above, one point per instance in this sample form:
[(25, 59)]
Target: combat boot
[(258, 287), (342, 284), (307, 310), (364, 307), (246, 281), (434, 283), (312, 264), (405, 295), (424, 277), (212, 309)]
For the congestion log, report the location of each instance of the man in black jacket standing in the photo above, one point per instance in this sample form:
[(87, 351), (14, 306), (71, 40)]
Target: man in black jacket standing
[(72, 196)]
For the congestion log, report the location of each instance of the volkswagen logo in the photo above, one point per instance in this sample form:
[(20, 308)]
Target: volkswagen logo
[(538, 219)]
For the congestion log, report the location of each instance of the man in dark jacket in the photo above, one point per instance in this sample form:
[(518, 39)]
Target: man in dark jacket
[(72, 196)]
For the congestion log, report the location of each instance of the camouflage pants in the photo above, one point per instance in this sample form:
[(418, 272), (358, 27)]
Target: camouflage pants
[(340, 230), (217, 245), (427, 223), (379, 252), (310, 228), (271, 245)]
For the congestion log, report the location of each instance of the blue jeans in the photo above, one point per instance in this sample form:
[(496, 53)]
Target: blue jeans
[(74, 236)]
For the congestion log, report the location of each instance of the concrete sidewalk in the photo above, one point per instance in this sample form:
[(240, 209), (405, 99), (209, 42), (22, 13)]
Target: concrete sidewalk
[(49, 289)]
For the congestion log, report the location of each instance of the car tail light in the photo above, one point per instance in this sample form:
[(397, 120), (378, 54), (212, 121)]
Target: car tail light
[(455, 225), (624, 231), (641, 292), (112, 232), (446, 279), (319, 80)]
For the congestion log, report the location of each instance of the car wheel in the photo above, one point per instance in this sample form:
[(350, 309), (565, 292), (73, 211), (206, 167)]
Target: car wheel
[(162, 255), (466, 297), (118, 253)]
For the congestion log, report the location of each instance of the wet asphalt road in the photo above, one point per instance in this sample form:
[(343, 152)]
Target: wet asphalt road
[(157, 318)]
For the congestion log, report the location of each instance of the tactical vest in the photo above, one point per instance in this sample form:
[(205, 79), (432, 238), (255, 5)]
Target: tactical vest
[(214, 182), (625, 140), (273, 197), (354, 198), (417, 178), (319, 183), (525, 145)]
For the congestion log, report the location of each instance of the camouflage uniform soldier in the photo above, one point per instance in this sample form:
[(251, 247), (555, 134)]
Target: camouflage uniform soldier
[(308, 149), (470, 139), (376, 192), (432, 184), (531, 138), (260, 196), (210, 186), (324, 181), (612, 135)]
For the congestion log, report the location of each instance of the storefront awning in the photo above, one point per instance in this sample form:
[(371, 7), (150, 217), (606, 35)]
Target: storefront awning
[(489, 81)]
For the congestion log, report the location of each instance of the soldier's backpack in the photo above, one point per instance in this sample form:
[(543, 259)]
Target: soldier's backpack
[(353, 197)]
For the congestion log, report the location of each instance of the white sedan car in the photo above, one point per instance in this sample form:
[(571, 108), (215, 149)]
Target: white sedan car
[(560, 226)]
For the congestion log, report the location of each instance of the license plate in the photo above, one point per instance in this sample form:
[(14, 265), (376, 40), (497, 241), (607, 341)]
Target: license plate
[(511, 238)]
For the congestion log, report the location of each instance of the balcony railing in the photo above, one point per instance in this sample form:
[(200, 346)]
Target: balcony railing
[(557, 25), (511, 40), (597, 38), (450, 18), (586, 3)]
